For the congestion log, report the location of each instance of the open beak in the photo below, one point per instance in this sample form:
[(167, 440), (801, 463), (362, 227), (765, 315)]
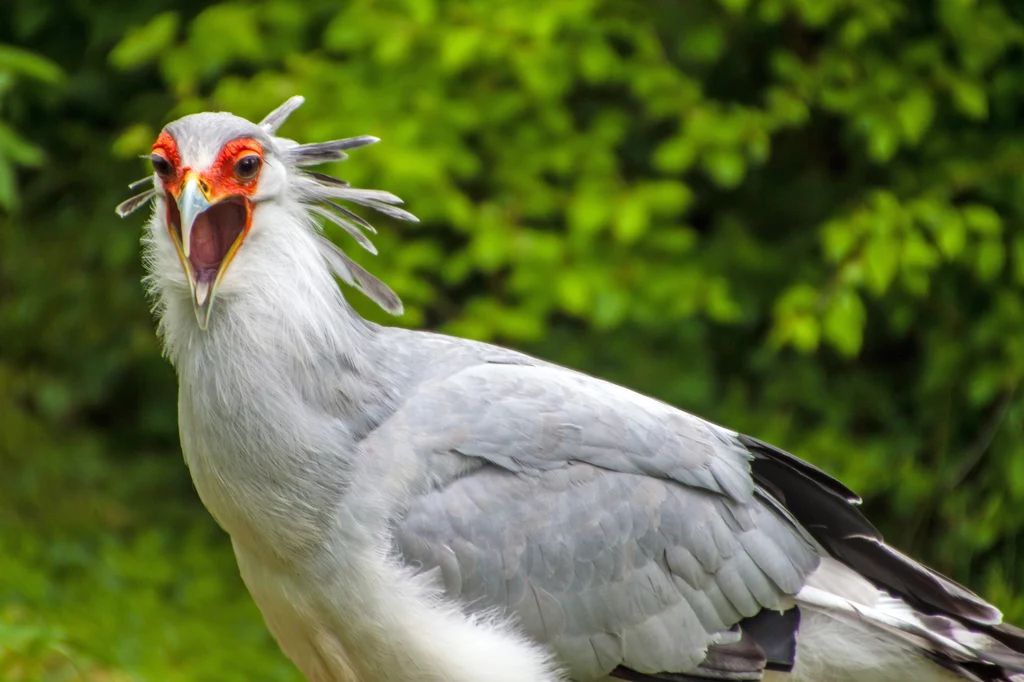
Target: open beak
[(207, 231), (192, 201)]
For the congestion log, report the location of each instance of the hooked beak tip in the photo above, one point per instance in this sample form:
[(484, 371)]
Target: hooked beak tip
[(203, 317), (202, 292), (203, 301)]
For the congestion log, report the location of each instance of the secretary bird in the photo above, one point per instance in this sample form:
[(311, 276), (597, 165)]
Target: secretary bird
[(409, 506)]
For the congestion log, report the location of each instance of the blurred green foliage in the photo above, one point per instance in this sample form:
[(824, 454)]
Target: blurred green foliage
[(800, 218)]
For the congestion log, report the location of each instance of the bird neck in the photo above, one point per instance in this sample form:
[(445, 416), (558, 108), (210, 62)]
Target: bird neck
[(278, 312)]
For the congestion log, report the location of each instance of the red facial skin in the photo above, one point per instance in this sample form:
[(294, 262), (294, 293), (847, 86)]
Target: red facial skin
[(217, 182)]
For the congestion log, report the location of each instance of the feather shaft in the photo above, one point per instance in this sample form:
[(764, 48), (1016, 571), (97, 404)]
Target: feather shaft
[(272, 121), (322, 152), (344, 224), (142, 182), (356, 275), (128, 207)]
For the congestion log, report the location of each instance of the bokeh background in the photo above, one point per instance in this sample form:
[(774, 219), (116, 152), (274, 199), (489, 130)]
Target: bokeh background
[(799, 218)]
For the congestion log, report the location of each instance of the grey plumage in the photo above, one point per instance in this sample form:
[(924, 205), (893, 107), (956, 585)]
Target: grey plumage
[(142, 182), (349, 226), (276, 118), (352, 217), (406, 505), (382, 202), (324, 152), (665, 565), (357, 276), (218, 128), (126, 208)]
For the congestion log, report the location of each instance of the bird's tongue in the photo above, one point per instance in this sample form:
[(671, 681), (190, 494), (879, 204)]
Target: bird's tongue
[(213, 233), (205, 251)]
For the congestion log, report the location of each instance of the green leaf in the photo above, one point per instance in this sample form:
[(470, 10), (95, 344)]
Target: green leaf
[(720, 304), (727, 168), (8, 188), (735, 6), (951, 234), (795, 321), (459, 49), (598, 62), (759, 147), (223, 33), (916, 282), (707, 41), (20, 62), (883, 141), (804, 332), (1018, 259), (843, 322), (610, 307), (915, 112), (631, 219), (854, 31), (675, 154), (589, 211), (985, 384), (786, 107), (989, 260), (18, 150), (667, 197), (574, 292), (143, 44), (982, 219), (970, 98), (839, 239), (881, 261), (918, 252), (133, 141)]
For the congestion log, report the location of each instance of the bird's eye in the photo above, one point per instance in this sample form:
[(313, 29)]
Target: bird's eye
[(162, 166), (247, 167)]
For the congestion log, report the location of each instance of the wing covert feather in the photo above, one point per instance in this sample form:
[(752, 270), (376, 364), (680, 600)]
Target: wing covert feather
[(527, 418), (617, 528), (609, 568)]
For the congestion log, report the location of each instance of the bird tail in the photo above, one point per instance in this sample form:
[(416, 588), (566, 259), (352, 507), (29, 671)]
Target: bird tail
[(869, 607), (851, 625)]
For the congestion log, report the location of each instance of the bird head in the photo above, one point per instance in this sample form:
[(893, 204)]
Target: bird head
[(217, 178)]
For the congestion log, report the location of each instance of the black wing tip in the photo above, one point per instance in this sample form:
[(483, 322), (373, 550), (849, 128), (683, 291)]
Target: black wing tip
[(828, 510), (630, 675), (761, 448), (768, 642)]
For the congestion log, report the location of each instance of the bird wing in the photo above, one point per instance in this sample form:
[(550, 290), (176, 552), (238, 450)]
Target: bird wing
[(625, 533), (610, 569), (529, 418)]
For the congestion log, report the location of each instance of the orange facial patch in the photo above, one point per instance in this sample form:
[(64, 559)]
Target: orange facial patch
[(221, 176), (221, 183), (219, 180), (167, 147)]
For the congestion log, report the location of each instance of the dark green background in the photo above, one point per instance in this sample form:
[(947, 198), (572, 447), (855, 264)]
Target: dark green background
[(799, 218)]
